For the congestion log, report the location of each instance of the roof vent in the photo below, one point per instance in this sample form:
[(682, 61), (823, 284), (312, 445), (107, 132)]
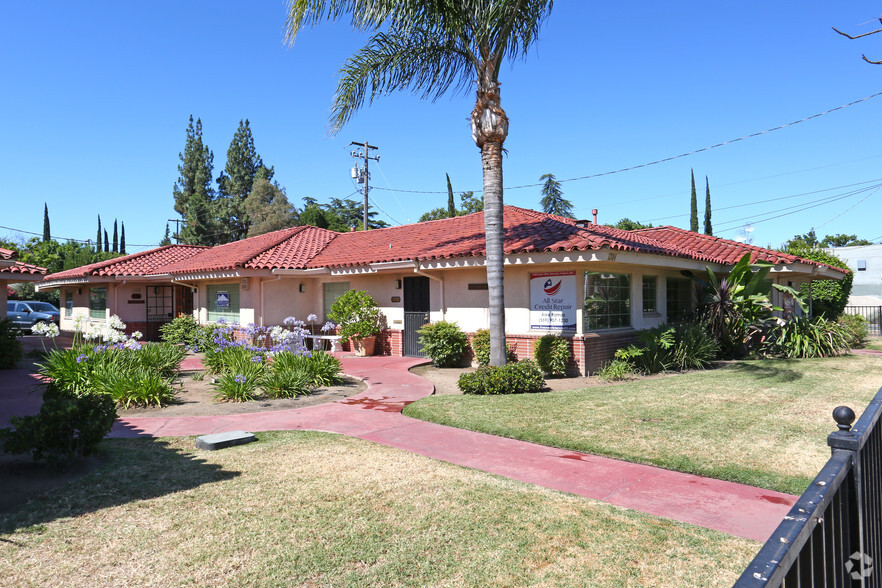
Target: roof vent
[(583, 223)]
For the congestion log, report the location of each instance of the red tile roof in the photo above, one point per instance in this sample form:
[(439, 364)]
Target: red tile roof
[(7, 254), (144, 263), (714, 249), (17, 267), (287, 248)]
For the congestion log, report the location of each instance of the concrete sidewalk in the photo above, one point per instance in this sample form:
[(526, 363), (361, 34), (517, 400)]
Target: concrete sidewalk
[(375, 415)]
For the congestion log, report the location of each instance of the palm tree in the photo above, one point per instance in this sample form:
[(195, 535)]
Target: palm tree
[(428, 46)]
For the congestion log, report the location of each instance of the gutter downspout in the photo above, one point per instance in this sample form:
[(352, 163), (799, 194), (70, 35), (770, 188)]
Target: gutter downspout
[(417, 271)]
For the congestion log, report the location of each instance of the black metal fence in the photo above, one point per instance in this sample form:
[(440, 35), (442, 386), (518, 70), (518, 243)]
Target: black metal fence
[(873, 314), (833, 534)]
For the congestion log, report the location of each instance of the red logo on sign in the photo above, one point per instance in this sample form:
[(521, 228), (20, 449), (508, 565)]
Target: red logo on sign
[(551, 289)]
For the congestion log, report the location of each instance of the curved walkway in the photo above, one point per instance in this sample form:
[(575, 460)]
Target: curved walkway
[(375, 415)]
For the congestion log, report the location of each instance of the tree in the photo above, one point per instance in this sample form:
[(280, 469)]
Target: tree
[(122, 240), (106, 242), (805, 241), (829, 297), (115, 245), (627, 224), (841, 240), (166, 239), (693, 208), (268, 209), (853, 37), (553, 201), (451, 205), (192, 191), (708, 228), (470, 204), (237, 179), (427, 48), (313, 215), (98, 236), (346, 214), (47, 234)]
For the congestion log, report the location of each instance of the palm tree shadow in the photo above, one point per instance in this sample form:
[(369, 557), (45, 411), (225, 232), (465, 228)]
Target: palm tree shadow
[(780, 372), (130, 470)]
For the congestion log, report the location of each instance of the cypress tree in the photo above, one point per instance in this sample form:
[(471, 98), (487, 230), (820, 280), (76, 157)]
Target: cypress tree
[(451, 204), (708, 229), (193, 188), (693, 211), (166, 240), (98, 237), (122, 239), (47, 234), (106, 242), (115, 238)]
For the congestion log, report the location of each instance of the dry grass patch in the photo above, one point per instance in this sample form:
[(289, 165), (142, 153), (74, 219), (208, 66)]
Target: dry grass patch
[(311, 509), (763, 423)]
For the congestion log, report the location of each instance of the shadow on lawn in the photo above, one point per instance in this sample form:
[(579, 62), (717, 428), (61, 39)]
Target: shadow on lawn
[(129, 470), (779, 372)]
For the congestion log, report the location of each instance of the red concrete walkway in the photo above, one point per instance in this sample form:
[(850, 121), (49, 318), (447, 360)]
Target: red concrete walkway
[(375, 415)]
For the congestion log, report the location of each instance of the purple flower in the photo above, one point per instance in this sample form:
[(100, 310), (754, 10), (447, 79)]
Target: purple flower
[(81, 358), (256, 359), (239, 379)]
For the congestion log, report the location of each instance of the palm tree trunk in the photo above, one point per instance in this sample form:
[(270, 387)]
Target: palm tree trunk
[(491, 158)]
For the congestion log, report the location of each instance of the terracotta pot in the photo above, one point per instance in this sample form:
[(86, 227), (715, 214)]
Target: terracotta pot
[(364, 346)]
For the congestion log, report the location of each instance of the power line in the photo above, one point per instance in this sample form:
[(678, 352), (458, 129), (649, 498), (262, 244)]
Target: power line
[(666, 159)]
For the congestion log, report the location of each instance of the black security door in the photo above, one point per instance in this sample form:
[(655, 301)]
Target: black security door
[(416, 313), (160, 310)]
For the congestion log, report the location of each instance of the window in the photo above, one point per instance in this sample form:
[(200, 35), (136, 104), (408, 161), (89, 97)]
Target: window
[(330, 292), (607, 301), (650, 294), (68, 303), (98, 303), (862, 265), (223, 302), (679, 298)]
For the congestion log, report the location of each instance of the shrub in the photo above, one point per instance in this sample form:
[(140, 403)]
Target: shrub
[(184, 329), (512, 378), (324, 369), (615, 370), (288, 376), (858, 330), (237, 387), (356, 314), (164, 358), (656, 354), (804, 337), (444, 343), (10, 346), (138, 386), (66, 427), (481, 348), (552, 353), (694, 348)]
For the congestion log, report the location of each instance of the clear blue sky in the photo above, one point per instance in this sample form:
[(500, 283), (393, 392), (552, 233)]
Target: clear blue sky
[(96, 97)]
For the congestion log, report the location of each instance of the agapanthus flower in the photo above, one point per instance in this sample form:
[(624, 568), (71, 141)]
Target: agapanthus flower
[(312, 318), (239, 379), (82, 357)]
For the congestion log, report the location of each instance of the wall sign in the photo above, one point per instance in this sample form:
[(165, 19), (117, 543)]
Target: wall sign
[(223, 299), (553, 301)]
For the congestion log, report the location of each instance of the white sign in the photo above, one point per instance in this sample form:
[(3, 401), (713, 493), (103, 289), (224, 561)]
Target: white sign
[(553, 301), (223, 299)]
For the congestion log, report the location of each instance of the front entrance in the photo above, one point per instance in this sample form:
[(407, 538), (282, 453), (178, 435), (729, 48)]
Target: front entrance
[(416, 313), (164, 303)]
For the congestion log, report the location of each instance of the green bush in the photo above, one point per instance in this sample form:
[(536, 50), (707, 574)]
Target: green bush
[(552, 353), (616, 370), (444, 343), (164, 358), (237, 387), (135, 387), (694, 348), (829, 297), (511, 378), (804, 337), (287, 381), (481, 348), (356, 314), (66, 427), (10, 346), (858, 330), (656, 353), (323, 368), (682, 347), (184, 329)]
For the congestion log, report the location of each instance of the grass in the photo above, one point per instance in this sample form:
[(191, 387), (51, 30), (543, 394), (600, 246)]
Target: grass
[(762, 423), (313, 509), (874, 343)]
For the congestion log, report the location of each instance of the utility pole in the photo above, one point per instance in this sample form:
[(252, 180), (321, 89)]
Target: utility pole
[(178, 222), (362, 176)]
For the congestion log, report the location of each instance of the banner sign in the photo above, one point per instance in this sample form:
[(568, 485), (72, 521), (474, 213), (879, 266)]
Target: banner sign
[(553, 301), (223, 299)]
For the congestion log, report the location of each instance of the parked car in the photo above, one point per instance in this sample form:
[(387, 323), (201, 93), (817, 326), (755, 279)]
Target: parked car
[(26, 313)]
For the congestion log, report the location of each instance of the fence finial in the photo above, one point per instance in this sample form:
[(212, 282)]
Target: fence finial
[(843, 416)]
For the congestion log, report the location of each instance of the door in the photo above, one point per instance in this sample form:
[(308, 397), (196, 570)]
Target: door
[(416, 313), (160, 310)]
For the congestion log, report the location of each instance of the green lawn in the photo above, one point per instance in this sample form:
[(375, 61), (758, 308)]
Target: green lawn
[(875, 343), (314, 509), (762, 423)]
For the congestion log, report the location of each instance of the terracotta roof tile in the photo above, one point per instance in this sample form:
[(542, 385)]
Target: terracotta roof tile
[(22, 268), (144, 263), (7, 254)]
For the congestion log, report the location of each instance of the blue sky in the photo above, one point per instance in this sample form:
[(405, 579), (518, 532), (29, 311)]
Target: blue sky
[(96, 98)]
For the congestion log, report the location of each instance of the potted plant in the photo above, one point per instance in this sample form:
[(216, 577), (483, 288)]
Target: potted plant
[(358, 319)]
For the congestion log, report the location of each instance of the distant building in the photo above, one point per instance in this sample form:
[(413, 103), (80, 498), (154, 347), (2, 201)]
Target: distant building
[(865, 261)]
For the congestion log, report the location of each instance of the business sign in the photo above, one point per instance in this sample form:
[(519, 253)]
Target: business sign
[(553, 301), (223, 299)]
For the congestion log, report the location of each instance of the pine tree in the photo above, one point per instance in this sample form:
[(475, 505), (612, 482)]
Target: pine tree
[(47, 234), (122, 239), (708, 229), (693, 210), (192, 192), (553, 201), (451, 205), (236, 182), (115, 238), (98, 236), (166, 239), (106, 242)]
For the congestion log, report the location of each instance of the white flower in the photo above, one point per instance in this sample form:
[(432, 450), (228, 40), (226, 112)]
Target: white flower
[(133, 345), (312, 318), (45, 329), (137, 335), (114, 322)]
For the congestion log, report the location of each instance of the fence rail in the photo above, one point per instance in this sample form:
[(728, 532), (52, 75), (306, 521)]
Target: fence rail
[(833, 534), (873, 314)]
